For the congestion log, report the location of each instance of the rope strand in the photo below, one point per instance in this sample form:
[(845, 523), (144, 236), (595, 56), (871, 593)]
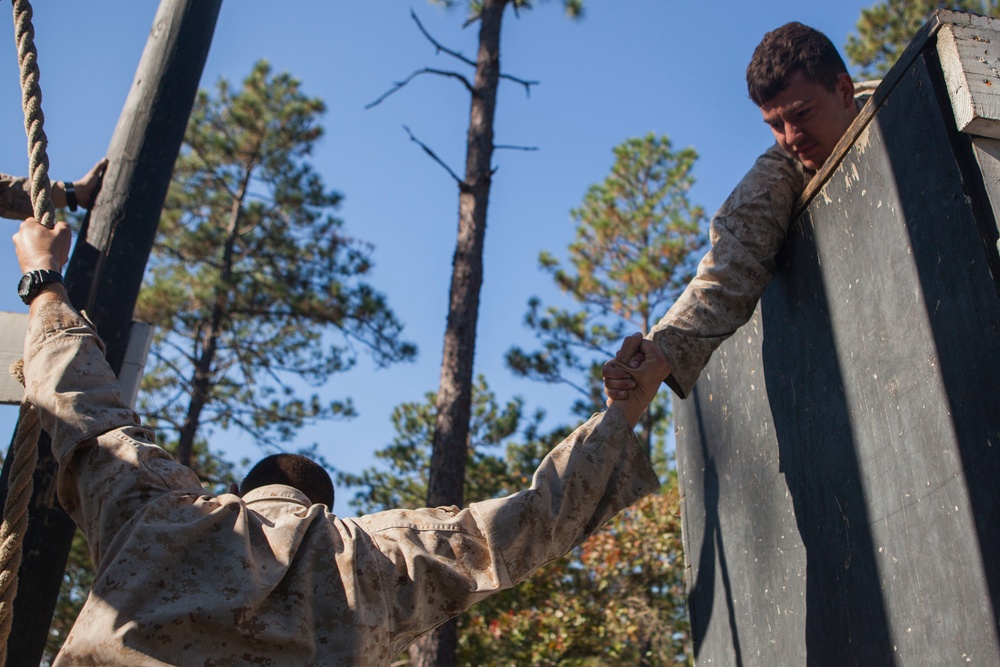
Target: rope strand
[(24, 450), (34, 119)]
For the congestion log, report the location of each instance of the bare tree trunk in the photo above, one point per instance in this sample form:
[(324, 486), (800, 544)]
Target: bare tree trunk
[(454, 399), (201, 380)]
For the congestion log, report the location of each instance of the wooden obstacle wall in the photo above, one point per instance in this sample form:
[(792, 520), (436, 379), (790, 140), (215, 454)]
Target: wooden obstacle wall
[(839, 459)]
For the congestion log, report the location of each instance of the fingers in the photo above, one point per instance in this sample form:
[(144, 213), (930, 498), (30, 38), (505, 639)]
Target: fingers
[(86, 187), (630, 346), (655, 366), (38, 247), (617, 381), (96, 170)]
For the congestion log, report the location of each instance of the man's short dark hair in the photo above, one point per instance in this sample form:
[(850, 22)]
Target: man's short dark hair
[(789, 49), (293, 470)]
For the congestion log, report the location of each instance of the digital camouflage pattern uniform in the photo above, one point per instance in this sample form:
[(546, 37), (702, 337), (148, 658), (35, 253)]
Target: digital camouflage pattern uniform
[(186, 577), (746, 234), (15, 198)]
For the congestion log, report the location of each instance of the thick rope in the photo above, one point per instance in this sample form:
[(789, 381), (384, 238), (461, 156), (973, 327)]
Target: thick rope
[(31, 100), (24, 457), (24, 450)]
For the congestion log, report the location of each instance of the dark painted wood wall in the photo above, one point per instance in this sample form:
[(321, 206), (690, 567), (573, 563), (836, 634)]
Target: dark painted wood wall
[(840, 457)]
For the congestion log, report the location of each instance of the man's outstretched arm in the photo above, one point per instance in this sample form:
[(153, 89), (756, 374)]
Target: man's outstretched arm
[(442, 560), (15, 195), (746, 234)]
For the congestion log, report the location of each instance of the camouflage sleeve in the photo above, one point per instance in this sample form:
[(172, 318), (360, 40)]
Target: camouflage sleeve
[(15, 199), (746, 234), (438, 562), (108, 464)]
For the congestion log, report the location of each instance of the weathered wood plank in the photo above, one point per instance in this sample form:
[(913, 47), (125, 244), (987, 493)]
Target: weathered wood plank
[(970, 62), (12, 329)]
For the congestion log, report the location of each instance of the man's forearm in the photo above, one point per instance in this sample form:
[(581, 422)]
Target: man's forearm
[(15, 200), (599, 470), (67, 377), (747, 233)]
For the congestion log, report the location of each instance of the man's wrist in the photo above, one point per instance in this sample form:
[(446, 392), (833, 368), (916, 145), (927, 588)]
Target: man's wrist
[(48, 294), (69, 189), (33, 282)]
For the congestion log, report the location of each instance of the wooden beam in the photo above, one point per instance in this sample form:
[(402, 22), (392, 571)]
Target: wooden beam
[(970, 61), (12, 329), (105, 272)]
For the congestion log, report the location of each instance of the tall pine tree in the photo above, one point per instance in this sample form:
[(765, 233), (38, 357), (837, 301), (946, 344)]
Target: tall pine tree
[(637, 240), (254, 287)]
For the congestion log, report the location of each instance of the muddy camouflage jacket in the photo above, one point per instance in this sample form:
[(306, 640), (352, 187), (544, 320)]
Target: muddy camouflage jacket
[(190, 578), (15, 199), (746, 234)]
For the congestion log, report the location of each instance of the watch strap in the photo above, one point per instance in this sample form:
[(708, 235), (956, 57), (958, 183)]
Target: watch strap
[(70, 191), (32, 283)]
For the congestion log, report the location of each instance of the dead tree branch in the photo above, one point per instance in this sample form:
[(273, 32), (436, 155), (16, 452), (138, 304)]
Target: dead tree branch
[(514, 148), (440, 48), (461, 183), (427, 70)]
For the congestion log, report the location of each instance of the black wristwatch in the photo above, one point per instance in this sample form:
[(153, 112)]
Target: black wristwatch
[(32, 283), (70, 191)]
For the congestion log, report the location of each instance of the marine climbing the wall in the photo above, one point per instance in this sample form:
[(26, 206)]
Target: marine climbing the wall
[(807, 100)]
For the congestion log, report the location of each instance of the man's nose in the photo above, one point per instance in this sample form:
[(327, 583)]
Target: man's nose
[(793, 133)]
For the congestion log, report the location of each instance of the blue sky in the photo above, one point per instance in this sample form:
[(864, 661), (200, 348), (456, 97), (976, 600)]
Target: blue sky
[(628, 68)]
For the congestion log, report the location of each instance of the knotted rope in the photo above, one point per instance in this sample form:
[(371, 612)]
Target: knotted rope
[(24, 452)]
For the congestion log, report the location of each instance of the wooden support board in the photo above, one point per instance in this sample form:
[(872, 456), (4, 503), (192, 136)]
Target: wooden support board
[(970, 62), (12, 329)]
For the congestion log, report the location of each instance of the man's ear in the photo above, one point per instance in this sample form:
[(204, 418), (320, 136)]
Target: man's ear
[(845, 88)]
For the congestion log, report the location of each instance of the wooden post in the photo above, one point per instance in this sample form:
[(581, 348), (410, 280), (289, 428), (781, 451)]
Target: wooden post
[(105, 272)]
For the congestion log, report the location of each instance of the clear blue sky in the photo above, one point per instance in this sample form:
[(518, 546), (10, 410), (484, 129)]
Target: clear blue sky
[(628, 68)]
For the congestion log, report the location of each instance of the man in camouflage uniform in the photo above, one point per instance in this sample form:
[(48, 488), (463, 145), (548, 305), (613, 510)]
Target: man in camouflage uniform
[(806, 97), (187, 577), (15, 193)]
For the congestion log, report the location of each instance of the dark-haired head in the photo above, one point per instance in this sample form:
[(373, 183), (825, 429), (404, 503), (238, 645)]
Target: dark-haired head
[(789, 49), (295, 470)]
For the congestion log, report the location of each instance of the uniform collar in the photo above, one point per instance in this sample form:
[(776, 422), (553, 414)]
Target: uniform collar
[(276, 492)]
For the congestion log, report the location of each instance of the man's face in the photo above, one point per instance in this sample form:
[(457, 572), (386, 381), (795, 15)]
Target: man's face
[(808, 120)]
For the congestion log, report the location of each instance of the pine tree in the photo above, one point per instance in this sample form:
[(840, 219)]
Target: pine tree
[(637, 239), (454, 399), (887, 27), (251, 275)]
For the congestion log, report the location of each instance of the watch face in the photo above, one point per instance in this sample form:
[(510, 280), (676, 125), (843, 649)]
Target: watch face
[(33, 281), (24, 286)]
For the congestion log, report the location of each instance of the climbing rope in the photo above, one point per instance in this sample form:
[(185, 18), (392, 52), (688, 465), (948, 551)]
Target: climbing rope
[(24, 452), (24, 457), (31, 101)]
